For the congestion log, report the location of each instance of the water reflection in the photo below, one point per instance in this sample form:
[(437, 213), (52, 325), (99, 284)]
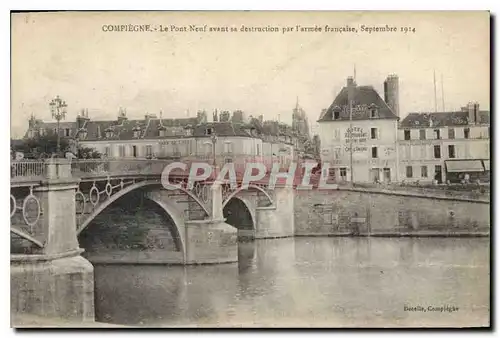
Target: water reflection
[(307, 281)]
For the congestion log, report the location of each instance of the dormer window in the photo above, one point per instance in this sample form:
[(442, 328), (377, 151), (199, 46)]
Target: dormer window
[(109, 133), (209, 131), (137, 131), (373, 111), (162, 131), (336, 113), (189, 132)]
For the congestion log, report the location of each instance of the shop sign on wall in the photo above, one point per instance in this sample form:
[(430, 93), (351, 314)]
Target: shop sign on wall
[(357, 137)]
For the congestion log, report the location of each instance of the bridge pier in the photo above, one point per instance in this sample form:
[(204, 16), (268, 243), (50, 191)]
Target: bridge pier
[(56, 282), (211, 241), (276, 220)]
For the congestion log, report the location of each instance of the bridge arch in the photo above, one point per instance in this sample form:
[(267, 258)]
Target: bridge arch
[(250, 187), (238, 212), (102, 206)]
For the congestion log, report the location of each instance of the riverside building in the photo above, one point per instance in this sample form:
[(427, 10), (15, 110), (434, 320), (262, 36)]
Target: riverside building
[(358, 133), (445, 146)]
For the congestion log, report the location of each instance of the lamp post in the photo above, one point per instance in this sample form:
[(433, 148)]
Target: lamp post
[(58, 110), (214, 141)]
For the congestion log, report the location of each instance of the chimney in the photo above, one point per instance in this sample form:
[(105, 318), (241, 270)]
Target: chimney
[(391, 93), (238, 116), (476, 113), (81, 118), (122, 115), (471, 117), (32, 121), (201, 116)]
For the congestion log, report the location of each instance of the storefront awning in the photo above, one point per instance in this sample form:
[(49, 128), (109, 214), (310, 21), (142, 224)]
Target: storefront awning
[(486, 165), (464, 166)]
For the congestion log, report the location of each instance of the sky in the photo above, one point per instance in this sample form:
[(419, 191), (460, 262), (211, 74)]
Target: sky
[(69, 54)]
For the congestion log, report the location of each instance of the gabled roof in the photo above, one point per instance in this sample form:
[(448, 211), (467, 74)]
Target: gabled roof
[(363, 96), (442, 119)]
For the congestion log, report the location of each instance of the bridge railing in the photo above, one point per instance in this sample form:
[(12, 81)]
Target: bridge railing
[(32, 170), (27, 170), (99, 167)]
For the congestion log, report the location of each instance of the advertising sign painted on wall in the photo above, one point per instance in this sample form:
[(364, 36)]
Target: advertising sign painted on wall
[(357, 136)]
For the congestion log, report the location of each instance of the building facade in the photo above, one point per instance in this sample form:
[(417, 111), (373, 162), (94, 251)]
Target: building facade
[(227, 138), (358, 134), (445, 146)]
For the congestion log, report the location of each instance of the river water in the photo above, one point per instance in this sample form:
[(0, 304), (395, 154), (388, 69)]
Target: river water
[(309, 281)]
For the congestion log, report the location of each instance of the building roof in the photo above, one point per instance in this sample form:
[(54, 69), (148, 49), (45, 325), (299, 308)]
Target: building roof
[(149, 128), (442, 119), (363, 96)]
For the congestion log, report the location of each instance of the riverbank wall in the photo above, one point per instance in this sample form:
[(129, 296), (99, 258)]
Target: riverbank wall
[(351, 211)]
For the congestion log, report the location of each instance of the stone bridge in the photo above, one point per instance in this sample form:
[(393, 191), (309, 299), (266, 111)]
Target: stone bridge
[(54, 203)]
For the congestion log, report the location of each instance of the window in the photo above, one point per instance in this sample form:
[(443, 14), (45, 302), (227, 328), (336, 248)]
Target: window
[(336, 153), (331, 173), (423, 152), (162, 132), (109, 133), (423, 171), (373, 133), (121, 150), (228, 147), (67, 132), (258, 149), (336, 114), (54, 131), (409, 171), (451, 151), (42, 131), (189, 132), (337, 134), (466, 132), (175, 147), (422, 134), (437, 151), (373, 113), (374, 152), (107, 151), (228, 160), (208, 148), (343, 174), (407, 135), (437, 134), (149, 150), (136, 133), (209, 131), (451, 133)]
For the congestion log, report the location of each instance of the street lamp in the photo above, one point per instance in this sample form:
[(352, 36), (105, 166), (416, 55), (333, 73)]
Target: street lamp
[(214, 141), (58, 110)]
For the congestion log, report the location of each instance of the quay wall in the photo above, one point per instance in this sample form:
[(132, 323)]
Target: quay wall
[(354, 211)]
